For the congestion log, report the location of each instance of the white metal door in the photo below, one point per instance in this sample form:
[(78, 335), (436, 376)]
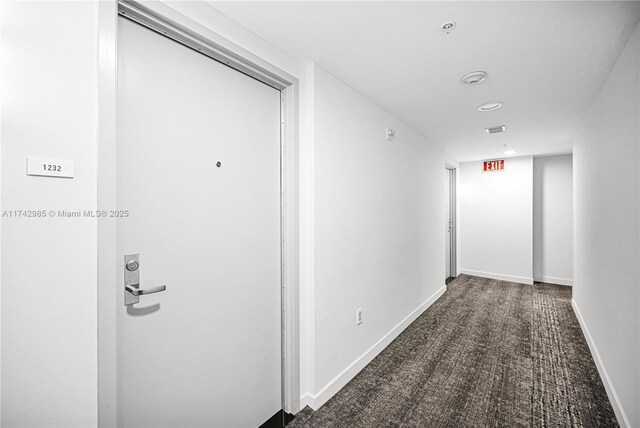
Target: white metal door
[(447, 227), (199, 173), (450, 224)]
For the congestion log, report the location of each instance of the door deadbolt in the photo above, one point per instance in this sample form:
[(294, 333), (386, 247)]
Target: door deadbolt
[(132, 265), (132, 290)]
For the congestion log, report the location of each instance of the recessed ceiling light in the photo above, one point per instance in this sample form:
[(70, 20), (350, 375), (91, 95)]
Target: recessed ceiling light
[(490, 106), (495, 129), (473, 78), (510, 152), (448, 27)]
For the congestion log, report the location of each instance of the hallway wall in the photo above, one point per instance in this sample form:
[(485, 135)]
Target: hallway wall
[(50, 103), (349, 256), (553, 219), (50, 343), (49, 109), (495, 223), (607, 233), (379, 214)]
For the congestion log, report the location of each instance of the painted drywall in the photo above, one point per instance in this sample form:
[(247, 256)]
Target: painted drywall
[(55, 81), (379, 211), (606, 232), (50, 83), (330, 121), (553, 219), (49, 109), (495, 223)]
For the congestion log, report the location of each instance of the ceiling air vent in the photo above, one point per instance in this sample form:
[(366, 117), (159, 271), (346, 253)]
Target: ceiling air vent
[(474, 77), (496, 129)]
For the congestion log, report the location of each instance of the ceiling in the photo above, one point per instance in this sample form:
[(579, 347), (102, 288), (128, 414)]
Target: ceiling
[(546, 61)]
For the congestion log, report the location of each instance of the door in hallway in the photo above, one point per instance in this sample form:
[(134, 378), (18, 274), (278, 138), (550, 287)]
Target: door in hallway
[(450, 223), (447, 226), (199, 173)]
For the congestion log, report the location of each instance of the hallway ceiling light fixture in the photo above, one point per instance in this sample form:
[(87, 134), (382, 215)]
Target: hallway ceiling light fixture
[(490, 106), (448, 27), (473, 78), (496, 129)]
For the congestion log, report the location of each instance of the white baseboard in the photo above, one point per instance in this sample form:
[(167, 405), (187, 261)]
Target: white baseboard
[(553, 280), (500, 277), (608, 386), (331, 388), (306, 400)]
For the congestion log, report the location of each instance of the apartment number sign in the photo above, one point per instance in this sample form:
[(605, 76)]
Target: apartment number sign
[(50, 167), (493, 165)]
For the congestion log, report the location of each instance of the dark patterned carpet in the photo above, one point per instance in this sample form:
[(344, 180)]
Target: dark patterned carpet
[(487, 354)]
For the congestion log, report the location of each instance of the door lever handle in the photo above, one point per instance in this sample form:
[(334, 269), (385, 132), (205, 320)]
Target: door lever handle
[(142, 291), (132, 290)]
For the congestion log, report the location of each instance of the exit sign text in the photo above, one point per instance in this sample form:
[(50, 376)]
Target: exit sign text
[(493, 165)]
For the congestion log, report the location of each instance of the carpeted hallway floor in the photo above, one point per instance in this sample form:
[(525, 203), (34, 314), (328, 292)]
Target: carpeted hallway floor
[(487, 354)]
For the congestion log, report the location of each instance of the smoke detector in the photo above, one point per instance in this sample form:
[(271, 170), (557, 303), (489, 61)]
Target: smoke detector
[(448, 27), (496, 129), (490, 106), (473, 78)]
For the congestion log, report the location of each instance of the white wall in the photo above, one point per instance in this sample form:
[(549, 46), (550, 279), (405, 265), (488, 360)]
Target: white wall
[(553, 219), (517, 224), (50, 81), (323, 128), (379, 214), (495, 223), (607, 233), (49, 109)]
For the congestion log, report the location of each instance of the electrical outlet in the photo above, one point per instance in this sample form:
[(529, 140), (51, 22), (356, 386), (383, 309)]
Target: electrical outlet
[(359, 316)]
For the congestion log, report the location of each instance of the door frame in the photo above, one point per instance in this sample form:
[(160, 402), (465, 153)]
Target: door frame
[(453, 248), (109, 296)]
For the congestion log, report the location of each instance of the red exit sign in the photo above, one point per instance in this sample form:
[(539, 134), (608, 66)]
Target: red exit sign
[(493, 165)]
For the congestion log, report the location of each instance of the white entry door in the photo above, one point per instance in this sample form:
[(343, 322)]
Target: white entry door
[(199, 173), (447, 226)]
